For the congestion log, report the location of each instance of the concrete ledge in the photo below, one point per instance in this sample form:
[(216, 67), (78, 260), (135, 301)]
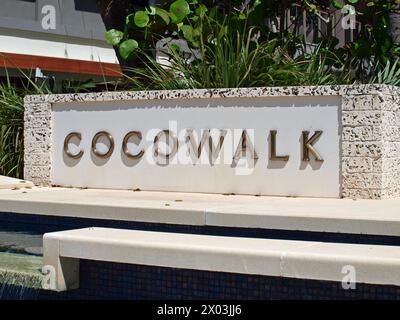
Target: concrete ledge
[(12, 183), (281, 258), (304, 214)]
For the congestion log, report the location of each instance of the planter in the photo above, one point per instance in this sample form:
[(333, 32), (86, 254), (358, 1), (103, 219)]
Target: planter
[(328, 141)]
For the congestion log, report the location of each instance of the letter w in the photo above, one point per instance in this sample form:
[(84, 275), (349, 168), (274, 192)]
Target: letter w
[(212, 150)]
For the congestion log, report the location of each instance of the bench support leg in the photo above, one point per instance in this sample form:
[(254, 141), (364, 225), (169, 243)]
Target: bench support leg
[(60, 273)]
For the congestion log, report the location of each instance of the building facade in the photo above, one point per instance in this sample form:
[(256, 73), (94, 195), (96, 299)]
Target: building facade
[(62, 38)]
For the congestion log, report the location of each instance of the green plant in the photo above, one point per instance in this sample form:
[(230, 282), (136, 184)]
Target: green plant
[(191, 21), (11, 131), (12, 123), (233, 46), (322, 66), (69, 86), (226, 47), (12, 118), (154, 76), (264, 64), (389, 74)]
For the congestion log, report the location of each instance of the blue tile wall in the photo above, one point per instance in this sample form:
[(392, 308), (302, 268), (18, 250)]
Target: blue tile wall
[(105, 280), (38, 224)]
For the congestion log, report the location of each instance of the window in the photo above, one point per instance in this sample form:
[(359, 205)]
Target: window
[(86, 5)]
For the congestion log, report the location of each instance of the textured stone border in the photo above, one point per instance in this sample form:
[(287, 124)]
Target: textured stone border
[(370, 125)]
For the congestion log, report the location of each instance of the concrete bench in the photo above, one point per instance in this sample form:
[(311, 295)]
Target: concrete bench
[(282, 258)]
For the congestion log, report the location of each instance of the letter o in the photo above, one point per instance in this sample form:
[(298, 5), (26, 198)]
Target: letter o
[(110, 139), (66, 148)]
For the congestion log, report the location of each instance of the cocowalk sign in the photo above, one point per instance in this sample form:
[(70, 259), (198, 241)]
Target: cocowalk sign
[(285, 146)]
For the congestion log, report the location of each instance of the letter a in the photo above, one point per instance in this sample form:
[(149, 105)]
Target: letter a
[(245, 145)]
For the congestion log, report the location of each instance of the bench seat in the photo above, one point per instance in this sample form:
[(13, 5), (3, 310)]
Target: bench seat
[(282, 258)]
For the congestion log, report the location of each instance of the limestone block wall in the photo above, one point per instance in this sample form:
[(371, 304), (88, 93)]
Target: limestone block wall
[(371, 144), (369, 125), (38, 143)]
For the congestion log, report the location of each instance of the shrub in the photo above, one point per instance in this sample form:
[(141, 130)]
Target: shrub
[(11, 131), (12, 119), (224, 49)]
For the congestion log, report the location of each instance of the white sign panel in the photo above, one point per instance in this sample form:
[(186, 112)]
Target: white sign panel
[(286, 146)]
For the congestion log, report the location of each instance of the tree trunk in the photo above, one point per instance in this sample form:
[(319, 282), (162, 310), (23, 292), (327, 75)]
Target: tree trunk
[(395, 26)]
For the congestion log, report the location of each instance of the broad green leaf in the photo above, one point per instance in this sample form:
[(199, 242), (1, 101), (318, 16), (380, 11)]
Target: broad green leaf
[(127, 48), (141, 19), (151, 11), (163, 14), (187, 32), (201, 10), (313, 8), (174, 18), (197, 32), (337, 4), (179, 9), (352, 1), (196, 44), (114, 37), (129, 21)]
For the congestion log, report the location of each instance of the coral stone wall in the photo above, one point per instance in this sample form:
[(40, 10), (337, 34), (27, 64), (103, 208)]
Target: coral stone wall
[(371, 144)]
